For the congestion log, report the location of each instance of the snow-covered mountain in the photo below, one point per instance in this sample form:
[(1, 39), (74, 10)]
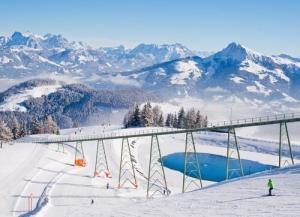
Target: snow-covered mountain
[(24, 55), (234, 73), (67, 103)]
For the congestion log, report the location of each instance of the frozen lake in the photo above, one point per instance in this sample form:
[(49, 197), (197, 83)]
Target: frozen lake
[(213, 167)]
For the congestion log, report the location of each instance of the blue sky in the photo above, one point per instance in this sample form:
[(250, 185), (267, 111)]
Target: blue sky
[(268, 26)]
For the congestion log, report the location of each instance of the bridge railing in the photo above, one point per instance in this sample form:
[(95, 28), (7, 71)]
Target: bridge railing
[(254, 120)]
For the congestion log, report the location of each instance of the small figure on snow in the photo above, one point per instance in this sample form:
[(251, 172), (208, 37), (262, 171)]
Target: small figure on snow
[(107, 186), (92, 202), (270, 185)]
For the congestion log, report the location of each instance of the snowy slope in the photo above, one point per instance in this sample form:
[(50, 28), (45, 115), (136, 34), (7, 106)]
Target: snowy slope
[(59, 189), (12, 103)]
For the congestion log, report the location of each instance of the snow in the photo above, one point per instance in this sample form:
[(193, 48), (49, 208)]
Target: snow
[(20, 67), (121, 80), (12, 103), (47, 61), (59, 189), (259, 88), (285, 61), (260, 71), (288, 98), (216, 89), (273, 80), (4, 60), (185, 71), (237, 80), (87, 58)]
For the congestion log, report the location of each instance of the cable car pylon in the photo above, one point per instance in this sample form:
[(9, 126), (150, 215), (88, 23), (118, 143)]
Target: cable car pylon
[(157, 183), (127, 170), (284, 140), (101, 165), (233, 155), (192, 179)]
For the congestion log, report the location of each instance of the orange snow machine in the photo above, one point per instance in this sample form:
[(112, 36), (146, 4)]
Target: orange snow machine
[(80, 162)]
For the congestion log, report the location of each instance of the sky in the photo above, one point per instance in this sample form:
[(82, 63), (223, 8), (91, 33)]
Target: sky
[(267, 26)]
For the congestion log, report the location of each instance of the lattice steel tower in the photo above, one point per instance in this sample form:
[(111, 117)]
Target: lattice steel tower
[(101, 165), (192, 174), (127, 170), (157, 183), (233, 163), (284, 140)]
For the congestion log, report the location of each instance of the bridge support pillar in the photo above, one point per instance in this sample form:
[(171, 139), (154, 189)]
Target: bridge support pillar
[(127, 171), (191, 175), (101, 165), (157, 183), (284, 139), (60, 147), (233, 154)]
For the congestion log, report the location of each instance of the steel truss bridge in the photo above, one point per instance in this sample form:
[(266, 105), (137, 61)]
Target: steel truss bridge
[(156, 179)]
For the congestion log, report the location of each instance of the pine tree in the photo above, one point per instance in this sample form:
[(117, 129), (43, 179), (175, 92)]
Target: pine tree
[(181, 118), (169, 120), (75, 124), (35, 126), (198, 122), (50, 126), (161, 121), (23, 130), (205, 122), (5, 132), (127, 121), (190, 119), (147, 115), (16, 128), (136, 117), (175, 121), (156, 115)]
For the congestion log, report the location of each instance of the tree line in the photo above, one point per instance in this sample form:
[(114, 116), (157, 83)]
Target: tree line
[(14, 129), (148, 116)]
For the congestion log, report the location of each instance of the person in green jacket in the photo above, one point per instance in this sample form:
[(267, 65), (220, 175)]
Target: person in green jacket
[(270, 185)]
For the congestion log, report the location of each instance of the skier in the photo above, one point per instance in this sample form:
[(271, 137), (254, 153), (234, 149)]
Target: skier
[(270, 185), (92, 202), (107, 186)]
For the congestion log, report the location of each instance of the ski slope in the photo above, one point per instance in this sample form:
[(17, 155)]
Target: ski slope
[(60, 189)]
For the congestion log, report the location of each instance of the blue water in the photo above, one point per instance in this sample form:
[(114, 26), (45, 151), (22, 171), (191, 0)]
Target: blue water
[(213, 167)]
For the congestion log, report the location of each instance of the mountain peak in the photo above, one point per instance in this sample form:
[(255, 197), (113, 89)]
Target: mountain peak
[(23, 39), (237, 52)]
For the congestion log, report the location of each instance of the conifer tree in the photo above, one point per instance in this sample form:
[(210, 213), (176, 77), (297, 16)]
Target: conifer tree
[(205, 122), (147, 115), (175, 121), (5, 132), (181, 118), (190, 119), (156, 115), (161, 121), (15, 128), (50, 126), (136, 117), (169, 120), (36, 127), (198, 123)]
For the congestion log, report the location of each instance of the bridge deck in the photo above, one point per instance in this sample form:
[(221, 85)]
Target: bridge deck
[(218, 126)]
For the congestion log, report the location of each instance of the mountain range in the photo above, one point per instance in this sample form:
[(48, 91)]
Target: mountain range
[(234, 73)]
